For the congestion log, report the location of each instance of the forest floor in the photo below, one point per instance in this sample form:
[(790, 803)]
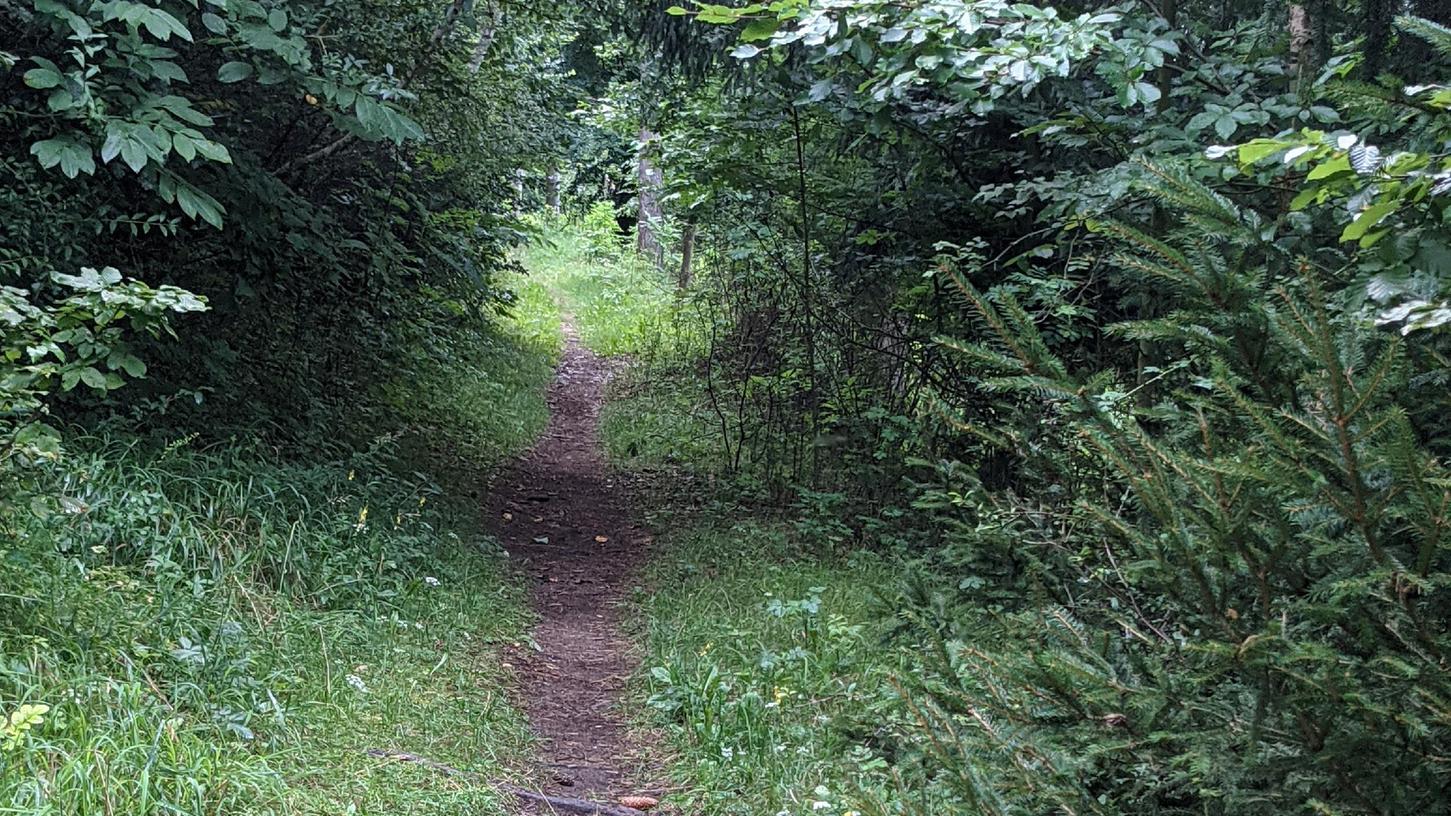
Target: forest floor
[(565, 521)]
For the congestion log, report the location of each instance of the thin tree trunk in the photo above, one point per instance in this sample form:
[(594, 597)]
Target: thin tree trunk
[(687, 254), (551, 189), (813, 396), (486, 38), (647, 179), (1301, 34), (1377, 26)]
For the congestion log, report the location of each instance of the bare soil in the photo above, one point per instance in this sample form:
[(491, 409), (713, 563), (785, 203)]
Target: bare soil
[(566, 523)]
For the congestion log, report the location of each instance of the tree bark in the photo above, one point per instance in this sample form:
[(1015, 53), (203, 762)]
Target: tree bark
[(1301, 34), (1377, 26), (551, 189), (647, 180), (687, 255), (486, 38)]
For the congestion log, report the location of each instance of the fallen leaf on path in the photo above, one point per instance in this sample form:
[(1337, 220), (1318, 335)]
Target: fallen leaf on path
[(508, 517), (602, 539), (541, 540)]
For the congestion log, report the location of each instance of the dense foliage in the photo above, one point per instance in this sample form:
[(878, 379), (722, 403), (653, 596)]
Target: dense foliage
[(328, 178), (1124, 327), (1083, 370)]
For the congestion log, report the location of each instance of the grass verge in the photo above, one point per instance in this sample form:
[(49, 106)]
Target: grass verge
[(227, 631), (216, 632), (765, 669)]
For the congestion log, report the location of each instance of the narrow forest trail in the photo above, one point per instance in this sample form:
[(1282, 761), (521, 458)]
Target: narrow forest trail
[(566, 524)]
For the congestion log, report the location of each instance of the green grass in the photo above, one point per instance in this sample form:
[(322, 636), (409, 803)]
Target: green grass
[(658, 419), (618, 303), (468, 397), (226, 631), (222, 633), (765, 669)]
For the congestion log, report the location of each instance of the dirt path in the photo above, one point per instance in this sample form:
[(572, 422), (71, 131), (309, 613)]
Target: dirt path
[(563, 520)]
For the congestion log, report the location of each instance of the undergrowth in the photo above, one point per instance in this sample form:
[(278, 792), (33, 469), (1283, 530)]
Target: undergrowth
[(655, 421), (471, 397), (765, 669), (220, 632), (225, 628)]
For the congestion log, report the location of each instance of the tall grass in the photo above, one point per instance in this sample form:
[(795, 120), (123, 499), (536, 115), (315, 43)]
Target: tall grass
[(765, 669), (466, 397), (219, 632), (619, 303), (226, 631)]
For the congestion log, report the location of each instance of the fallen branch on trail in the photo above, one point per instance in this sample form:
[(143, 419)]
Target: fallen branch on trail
[(559, 804), (563, 804)]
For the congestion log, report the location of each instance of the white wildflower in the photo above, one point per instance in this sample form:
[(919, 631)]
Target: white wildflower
[(357, 683), (430, 580)]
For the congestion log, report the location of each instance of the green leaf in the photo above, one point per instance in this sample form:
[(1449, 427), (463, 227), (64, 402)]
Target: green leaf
[(167, 70), (93, 378), (132, 365), (42, 78), (234, 71), (1368, 218), (183, 145), (1337, 165), (277, 19), (133, 152), (211, 150), (758, 30), (162, 25), (73, 157), (197, 204), (1255, 150)]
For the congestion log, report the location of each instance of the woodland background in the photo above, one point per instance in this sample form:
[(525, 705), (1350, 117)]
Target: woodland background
[(1082, 371)]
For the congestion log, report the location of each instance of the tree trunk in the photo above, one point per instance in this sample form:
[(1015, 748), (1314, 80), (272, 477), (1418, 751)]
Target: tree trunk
[(1377, 26), (551, 189), (486, 38), (647, 179), (687, 254), (1301, 34)]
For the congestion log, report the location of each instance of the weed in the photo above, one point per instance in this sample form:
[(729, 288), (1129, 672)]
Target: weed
[(619, 303)]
